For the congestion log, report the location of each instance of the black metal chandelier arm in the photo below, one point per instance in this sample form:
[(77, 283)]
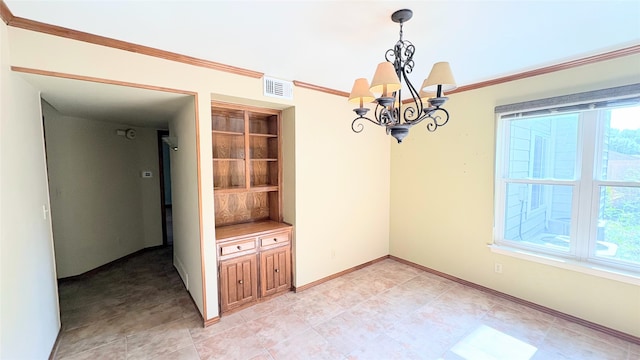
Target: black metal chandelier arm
[(418, 105), (390, 56), (410, 114), (417, 121), (401, 55), (407, 56), (358, 127), (384, 116), (435, 120)]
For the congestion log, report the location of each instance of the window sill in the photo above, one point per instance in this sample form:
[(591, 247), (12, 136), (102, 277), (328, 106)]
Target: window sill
[(585, 268)]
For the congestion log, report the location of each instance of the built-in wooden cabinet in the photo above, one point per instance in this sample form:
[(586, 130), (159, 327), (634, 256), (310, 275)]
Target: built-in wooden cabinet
[(275, 275), (254, 262), (238, 282), (253, 244)]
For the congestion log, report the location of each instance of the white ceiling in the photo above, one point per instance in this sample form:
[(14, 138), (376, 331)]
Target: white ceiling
[(330, 43), (108, 102)]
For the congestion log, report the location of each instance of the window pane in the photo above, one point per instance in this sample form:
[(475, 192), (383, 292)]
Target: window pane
[(618, 234), (543, 147), (537, 196), (620, 156), (547, 225)]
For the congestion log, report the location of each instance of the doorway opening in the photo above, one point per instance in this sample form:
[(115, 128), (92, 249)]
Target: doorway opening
[(164, 156)]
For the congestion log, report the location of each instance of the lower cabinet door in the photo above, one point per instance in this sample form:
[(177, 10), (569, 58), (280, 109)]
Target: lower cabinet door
[(238, 282), (275, 271)]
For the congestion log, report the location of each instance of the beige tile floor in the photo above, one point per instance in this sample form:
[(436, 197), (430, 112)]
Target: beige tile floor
[(139, 309)]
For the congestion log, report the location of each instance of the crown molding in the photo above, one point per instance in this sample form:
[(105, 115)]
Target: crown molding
[(320, 88), (5, 14), (631, 50), (99, 80)]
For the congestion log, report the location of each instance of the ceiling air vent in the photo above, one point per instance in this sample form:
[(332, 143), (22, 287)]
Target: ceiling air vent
[(278, 88)]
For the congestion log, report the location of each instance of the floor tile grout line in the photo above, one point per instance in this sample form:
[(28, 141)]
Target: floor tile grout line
[(551, 325), (88, 350), (594, 338)]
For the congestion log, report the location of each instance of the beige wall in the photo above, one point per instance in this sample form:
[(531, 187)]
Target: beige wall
[(341, 188), (29, 315), (341, 200), (102, 209), (288, 172), (186, 220), (442, 201)]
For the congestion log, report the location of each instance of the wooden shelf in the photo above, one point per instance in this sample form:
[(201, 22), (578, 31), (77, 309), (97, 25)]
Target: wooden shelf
[(263, 135), (246, 164), (264, 188), (232, 133), (231, 232), (232, 189), (253, 189)]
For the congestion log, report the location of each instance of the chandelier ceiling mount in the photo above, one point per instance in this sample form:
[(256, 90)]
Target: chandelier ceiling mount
[(402, 16)]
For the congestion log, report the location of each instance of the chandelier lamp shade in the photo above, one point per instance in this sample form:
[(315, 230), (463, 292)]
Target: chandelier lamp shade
[(391, 112)]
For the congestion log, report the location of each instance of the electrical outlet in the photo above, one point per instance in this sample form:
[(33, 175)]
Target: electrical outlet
[(497, 268)]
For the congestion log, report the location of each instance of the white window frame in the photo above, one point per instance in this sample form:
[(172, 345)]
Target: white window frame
[(586, 193)]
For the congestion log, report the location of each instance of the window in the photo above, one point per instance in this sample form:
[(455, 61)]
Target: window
[(568, 181)]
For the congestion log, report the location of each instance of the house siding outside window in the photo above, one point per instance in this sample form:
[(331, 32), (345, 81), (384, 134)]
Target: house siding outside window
[(568, 178)]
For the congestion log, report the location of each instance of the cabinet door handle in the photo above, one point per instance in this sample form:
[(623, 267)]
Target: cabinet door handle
[(276, 270), (239, 281), (239, 247), (275, 239)]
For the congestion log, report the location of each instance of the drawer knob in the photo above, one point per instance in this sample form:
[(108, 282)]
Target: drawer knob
[(239, 247), (276, 270), (239, 281), (275, 239)]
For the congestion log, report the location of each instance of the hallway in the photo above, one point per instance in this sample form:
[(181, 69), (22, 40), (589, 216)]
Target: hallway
[(122, 301)]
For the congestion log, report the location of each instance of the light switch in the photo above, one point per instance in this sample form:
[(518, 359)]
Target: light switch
[(147, 174)]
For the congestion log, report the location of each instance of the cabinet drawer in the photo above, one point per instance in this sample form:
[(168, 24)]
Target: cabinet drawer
[(237, 247), (274, 239)]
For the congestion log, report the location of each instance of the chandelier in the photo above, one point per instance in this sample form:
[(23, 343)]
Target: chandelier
[(390, 111)]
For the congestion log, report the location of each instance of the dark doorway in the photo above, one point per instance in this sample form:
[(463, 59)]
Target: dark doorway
[(164, 155)]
